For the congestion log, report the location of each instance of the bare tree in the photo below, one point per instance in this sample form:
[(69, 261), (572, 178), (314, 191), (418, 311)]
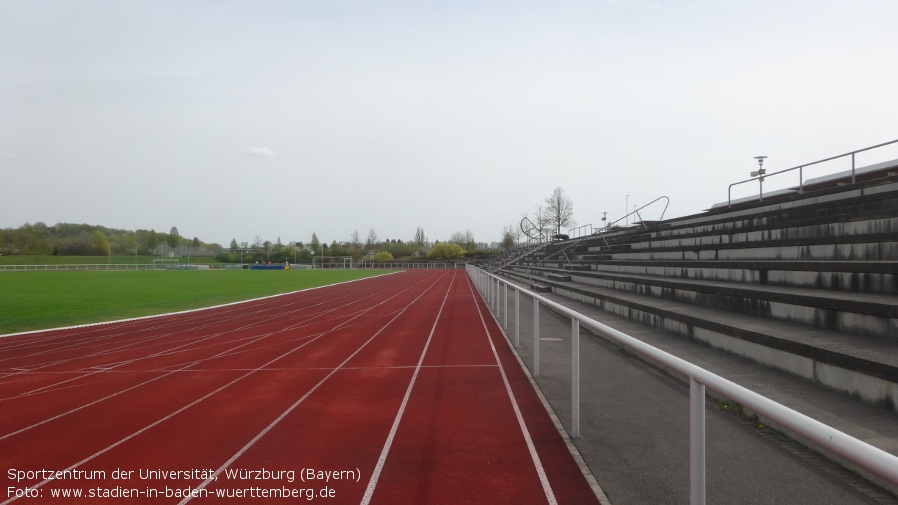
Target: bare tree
[(559, 210), (372, 241), (540, 221), (355, 241), (466, 240), (420, 239), (511, 236)]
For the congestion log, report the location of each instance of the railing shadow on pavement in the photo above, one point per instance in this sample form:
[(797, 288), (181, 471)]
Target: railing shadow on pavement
[(877, 462)]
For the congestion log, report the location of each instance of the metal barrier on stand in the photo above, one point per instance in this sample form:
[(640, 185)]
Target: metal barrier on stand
[(872, 459)]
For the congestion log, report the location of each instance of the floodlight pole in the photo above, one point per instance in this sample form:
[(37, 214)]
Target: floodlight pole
[(626, 208), (760, 177)]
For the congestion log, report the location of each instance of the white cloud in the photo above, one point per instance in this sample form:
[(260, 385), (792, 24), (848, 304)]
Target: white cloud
[(260, 151)]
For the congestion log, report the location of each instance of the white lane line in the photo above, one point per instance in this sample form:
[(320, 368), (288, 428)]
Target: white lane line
[(86, 405), (534, 456), (185, 407), (284, 414), (378, 468), (202, 321), (193, 403)]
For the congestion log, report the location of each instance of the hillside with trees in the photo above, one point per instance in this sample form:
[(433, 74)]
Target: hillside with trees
[(68, 239)]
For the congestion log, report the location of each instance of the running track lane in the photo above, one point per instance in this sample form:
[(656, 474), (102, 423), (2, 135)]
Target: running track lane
[(404, 382)]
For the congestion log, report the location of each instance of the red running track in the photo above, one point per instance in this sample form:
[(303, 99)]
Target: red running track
[(394, 389)]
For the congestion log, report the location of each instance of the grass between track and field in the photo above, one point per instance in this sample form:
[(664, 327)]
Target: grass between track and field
[(41, 300)]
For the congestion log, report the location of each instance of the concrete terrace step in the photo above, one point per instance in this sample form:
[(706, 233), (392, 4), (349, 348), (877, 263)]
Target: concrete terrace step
[(868, 247), (855, 276), (847, 210), (864, 314), (862, 367), (802, 218)]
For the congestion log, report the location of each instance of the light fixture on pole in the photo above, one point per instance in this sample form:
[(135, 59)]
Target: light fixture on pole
[(626, 208), (760, 175)]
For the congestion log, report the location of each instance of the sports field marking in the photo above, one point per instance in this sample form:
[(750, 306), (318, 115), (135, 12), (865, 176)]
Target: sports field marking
[(86, 405), (201, 399), (165, 418), (378, 468), (290, 409), (534, 456), (179, 368), (191, 344)]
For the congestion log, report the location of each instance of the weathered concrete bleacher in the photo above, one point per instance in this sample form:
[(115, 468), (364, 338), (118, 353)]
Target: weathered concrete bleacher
[(802, 282)]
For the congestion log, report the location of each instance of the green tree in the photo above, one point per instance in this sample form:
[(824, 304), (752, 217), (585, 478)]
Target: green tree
[(383, 257), (152, 240), (100, 243), (446, 251)]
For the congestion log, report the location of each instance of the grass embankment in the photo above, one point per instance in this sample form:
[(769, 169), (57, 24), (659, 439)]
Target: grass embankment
[(39, 300)]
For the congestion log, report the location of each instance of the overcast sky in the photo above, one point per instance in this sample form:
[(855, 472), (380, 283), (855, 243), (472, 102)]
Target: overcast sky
[(277, 119)]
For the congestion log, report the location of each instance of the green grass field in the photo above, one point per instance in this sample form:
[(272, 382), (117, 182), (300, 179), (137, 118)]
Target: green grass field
[(39, 300)]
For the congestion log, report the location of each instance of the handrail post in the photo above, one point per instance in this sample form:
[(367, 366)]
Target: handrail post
[(489, 292), (852, 168), (535, 337), (696, 442), (505, 311), (575, 377), (517, 318)]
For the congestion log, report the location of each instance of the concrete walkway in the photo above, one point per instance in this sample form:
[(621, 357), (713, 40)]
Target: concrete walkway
[(635, 420)]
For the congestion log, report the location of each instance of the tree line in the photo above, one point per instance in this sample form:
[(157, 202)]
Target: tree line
[(460, 244), (68, 239)]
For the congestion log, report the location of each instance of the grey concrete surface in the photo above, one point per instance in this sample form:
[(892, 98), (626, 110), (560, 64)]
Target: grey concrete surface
[(635, 421)]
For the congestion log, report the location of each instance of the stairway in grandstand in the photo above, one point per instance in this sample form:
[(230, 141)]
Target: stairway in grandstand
[(804, 281)]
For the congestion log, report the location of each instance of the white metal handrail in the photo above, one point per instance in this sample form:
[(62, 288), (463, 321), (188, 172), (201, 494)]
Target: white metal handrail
[(580, 231), (862, 454), (608, 226), (760, 177)]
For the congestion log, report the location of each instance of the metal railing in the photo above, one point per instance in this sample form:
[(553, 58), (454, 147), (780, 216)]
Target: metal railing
[(534, 233), (102, 266), (636, 211), (415, 265), (580, 231), (760, 178), (857, 452)]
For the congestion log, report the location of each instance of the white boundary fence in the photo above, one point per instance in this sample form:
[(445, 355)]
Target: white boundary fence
[(220, 266), (79, 266), (876, 461), (413, 265)]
